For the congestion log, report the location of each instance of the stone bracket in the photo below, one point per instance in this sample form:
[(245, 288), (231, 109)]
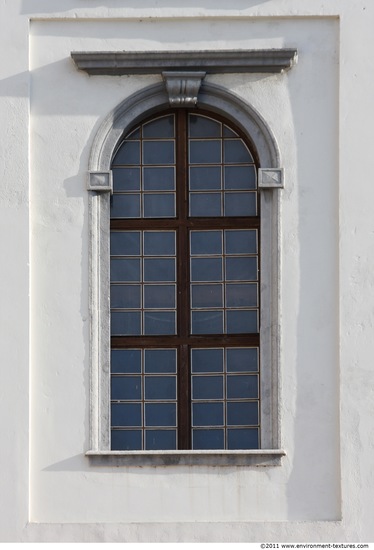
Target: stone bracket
[(183, 87), (255, 457), (100, 181), (271, 178)]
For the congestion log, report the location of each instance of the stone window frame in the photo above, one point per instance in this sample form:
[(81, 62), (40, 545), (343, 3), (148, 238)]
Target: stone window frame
[(184, 88)]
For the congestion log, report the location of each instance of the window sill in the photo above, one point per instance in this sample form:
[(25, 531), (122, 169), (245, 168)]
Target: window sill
[(258, 457)]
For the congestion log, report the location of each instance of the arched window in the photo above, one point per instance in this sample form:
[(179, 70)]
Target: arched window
[(175, 197), (184, 286)]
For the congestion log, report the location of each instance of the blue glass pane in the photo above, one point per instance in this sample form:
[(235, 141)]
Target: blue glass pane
[(126, 360), (242, 386), (135, 134), (126, 179), (126, 414), (159, 296), (160, 387), (227, 132), (126, 440), (207, 387), (205, 205), (242, 295), (159, 205), (159, 243), (242, 359), (200, 126), (160, 440), (240, 204), (204, 178), (159, 322), (207, 360), (159, 269), (126, 388), (160, 414), (207, 322), (158, 152), (125, 270), (203, 296), (125, 206), (243, 438), (160, 360), (125, 323), (207, 414), (236, 152), (241, 269), (240, 177), (240, 413), (128, 153), (240, 321), (241, 241), (159, 179), (125, 296), (208, 439), (205, 152), (159, 128), (125, 243), (206, 242), (206, 269)]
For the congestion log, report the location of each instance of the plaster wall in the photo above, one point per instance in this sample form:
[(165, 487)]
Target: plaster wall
[(322, 489)]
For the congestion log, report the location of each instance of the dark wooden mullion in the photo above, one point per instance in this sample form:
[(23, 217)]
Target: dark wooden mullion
[(192, 223), (184, 415), (224, 223), (144, 223), (182, 253), (201, 341)]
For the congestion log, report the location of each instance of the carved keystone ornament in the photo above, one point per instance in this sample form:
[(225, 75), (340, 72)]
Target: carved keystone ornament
[(183, 87)]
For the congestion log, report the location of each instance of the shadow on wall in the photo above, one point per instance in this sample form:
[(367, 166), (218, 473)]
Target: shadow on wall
[(313, 486), (46, 6), (15, 86)]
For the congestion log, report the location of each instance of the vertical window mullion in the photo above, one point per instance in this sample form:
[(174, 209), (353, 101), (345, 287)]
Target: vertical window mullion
[(184, 413)]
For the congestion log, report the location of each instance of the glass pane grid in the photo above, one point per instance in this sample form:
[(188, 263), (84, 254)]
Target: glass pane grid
[(224, 281), (225, 398), (222, 173), (144, 172), (143, 283), (144, 407), (224, 292)]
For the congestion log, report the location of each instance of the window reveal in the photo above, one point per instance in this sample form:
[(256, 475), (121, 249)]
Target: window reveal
[(184, 287)]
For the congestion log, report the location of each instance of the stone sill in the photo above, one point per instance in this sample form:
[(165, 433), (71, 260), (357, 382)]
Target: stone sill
[(258, 457)]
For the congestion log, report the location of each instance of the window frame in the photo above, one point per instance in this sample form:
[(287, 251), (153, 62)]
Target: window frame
[(182, 224), (219, 101)]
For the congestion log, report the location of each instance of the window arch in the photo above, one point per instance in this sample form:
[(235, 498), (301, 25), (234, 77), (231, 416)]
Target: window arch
[(221, 105)]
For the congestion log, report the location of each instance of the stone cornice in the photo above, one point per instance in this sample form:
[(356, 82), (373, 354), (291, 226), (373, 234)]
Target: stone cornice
[(210, 62)]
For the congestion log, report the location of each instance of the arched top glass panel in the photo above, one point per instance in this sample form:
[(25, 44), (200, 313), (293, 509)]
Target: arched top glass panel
[(215, 166)]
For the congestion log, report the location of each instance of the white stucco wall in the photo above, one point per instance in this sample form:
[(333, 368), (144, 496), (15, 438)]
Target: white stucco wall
[(319, 113)]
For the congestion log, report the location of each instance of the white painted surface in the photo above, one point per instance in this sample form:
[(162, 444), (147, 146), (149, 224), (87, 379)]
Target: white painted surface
[(320, 113)]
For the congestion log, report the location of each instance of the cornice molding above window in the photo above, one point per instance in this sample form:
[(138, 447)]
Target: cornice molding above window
[(210, 62)]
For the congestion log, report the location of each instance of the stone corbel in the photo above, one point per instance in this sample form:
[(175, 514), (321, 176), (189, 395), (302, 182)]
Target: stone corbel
[(271, 178), (183, 87), (100, 181)]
